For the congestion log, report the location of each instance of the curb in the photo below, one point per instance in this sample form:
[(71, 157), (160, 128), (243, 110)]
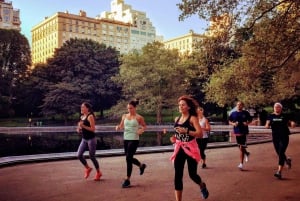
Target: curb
[(24, 159)]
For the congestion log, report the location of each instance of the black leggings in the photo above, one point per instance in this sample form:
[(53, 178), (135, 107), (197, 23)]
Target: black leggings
[(130, 147), (280, 146), (179, 163), (202, 144)]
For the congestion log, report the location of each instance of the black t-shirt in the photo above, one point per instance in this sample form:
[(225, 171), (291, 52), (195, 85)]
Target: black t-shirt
[(279, 125)]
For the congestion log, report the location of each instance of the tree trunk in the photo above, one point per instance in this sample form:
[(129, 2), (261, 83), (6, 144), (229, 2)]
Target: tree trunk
[(158, 114)]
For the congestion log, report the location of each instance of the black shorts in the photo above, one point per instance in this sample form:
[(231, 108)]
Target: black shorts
[(241, 140)]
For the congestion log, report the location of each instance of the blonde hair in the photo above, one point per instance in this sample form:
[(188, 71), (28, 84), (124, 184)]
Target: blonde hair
[(278, 104)]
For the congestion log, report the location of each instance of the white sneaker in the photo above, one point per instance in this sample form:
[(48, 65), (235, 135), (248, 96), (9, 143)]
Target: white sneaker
[(240, 166), (247, 156)]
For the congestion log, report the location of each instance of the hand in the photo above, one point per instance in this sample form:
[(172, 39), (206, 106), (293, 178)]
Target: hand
[(173, 139), (181, 130), (140, 131), (80, 124), (293, 124), (79, 130)]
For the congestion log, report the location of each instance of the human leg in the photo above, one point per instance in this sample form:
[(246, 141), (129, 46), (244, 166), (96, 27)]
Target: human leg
[(126, 182), (179, 167), (81, 149), (132, 147), (131, 150), (280, 146), (202, 144), (247, 153), (192, 169), (241, 141), (178, 195), (92, 144)]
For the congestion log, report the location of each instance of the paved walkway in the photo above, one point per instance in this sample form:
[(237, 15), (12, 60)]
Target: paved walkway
[(63, 180)]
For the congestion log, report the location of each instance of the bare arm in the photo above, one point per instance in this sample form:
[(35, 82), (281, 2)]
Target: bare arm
[(293, 124), (142, 124), (121, 124), (198, 131), (207, 125), (267, 125), (92, 126), (173, 138), (232, 123)]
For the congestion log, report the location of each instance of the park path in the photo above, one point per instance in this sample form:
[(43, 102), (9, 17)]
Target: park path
[(62, 180)]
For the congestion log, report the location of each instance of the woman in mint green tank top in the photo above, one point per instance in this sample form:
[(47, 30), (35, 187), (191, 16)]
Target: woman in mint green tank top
[(134, 125)]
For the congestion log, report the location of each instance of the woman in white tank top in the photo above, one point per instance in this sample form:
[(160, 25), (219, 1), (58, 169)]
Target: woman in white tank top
[(202, 142)]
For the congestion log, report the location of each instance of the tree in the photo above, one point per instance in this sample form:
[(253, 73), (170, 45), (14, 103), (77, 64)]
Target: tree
[(155, 76), (81, 71), (15, 60), (34, 87), (267, 39)]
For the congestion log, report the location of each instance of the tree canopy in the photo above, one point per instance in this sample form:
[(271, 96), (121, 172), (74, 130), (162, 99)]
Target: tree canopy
[(80, 71), (266, 36), (155, 76), (15, 59)]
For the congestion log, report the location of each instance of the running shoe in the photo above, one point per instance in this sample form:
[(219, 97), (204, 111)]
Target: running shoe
[(289, 162), (142, 169), (247, 155), (98, 176), (87, 172), (278, 175), (126, 183), (204, 191), (240, 166)]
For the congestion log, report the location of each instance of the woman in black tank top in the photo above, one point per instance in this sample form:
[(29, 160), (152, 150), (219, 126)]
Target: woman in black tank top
[(187, 129), (86, 127), (187, 126)]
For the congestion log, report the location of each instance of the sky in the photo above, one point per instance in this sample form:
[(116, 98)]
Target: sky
[(162, 13)]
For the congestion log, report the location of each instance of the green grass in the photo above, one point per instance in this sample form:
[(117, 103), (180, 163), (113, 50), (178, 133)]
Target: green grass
[(58, 121)]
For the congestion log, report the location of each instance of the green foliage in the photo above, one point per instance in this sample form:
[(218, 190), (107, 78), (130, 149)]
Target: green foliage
[(80, 70), (155, 77), (32, 92), (15, 60), (264, 36)]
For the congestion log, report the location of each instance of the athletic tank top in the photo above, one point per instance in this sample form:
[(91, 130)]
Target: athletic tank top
[(202, 123), (186, 124), (86, 134), (130, 129)]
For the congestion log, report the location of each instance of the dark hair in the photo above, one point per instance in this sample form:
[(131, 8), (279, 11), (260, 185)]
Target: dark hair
[(89, 107), (134, 103), (191, 102)]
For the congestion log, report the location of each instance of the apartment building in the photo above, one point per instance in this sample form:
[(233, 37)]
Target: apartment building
[(123, 28), (62, 26), (185, 44), (141, 32), (9, 17)]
